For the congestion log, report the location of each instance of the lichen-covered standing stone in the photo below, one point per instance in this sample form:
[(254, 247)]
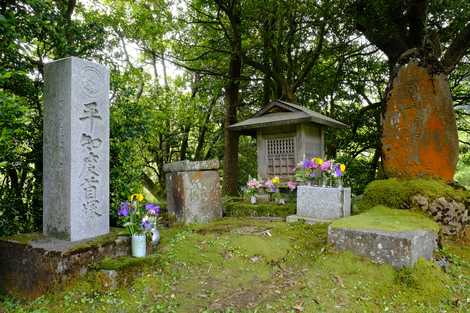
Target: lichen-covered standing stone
[(420, 133)]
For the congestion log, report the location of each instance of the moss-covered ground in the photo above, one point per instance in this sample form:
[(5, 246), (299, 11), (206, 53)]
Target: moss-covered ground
[(244, 265), (386, 219)]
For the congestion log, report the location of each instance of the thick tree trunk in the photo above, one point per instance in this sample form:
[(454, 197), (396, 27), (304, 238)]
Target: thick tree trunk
[(419, 132), (232, 102), (231, 139)]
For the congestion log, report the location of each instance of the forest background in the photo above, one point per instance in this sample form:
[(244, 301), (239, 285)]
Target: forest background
[(181, 71)]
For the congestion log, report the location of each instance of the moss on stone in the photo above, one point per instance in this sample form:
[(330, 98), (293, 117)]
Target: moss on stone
[(85, 244), (239, 208), (100, 240), (124, 262), (386, 219), (395, 193), (23, 238)]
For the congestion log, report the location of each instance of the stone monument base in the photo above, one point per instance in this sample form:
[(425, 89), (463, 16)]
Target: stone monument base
[(321, 204), (396, 248), (193, 191), (31, 264)]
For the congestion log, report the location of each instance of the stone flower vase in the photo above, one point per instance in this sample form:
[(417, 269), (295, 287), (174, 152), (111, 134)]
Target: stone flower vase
[(139, 245), (155, 236)]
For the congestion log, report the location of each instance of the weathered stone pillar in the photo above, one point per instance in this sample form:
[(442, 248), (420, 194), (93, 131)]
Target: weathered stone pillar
[(193, 191), (76, 149)]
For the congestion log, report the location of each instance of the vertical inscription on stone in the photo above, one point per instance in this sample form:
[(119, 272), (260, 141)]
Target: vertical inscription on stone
[(80, 184)]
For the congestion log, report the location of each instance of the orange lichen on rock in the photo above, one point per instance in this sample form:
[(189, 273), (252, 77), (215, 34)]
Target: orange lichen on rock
[(420, 133)]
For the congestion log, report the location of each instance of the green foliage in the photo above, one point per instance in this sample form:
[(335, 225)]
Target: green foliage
[(386, 219), (395, 193), (239, 208)]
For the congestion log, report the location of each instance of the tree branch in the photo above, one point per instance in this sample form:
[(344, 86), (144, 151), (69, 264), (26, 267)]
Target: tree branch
[(456, 50)]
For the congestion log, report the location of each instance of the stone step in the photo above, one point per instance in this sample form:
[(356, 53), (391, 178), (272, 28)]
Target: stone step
[(399, 249)]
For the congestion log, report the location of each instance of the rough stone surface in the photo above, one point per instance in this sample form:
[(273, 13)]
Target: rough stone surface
[(76, 149), (450, 214), (420, 133), (323, 203), (28, 270), (396, 248), (194, 195), (188, 166)]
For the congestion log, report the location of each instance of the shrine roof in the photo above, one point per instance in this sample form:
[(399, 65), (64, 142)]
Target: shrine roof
[(280, 112)]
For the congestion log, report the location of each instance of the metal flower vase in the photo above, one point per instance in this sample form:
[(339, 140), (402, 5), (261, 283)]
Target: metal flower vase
[(155, 236), (139, 245)]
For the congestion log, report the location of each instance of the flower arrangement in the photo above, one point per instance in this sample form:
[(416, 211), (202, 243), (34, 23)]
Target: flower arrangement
[(317, 169), (137, 217), (253, 185)]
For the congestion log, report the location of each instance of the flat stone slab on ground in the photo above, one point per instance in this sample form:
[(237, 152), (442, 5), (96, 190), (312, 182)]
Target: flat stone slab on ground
[(396, 248), (32, 264)]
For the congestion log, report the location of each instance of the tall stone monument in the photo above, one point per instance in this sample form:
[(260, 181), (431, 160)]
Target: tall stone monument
[(76, 149)]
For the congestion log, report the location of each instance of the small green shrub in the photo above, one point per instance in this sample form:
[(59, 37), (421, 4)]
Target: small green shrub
[(238, 208), (396, 193)]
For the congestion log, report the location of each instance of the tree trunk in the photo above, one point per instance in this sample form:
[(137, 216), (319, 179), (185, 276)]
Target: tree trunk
[(231, 139), (232, 101), (419, 132)]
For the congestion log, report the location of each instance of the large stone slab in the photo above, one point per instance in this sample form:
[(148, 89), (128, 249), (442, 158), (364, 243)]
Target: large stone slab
[(76, 149), (193, 191), (31, 265), (319, 204), (396, 248)]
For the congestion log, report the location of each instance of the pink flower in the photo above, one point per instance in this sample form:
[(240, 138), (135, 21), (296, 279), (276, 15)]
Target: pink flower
[(325, 166), (291, 185), (253, 184)]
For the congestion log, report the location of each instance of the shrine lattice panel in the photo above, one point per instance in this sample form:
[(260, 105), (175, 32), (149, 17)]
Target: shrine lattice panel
[(281, 156)]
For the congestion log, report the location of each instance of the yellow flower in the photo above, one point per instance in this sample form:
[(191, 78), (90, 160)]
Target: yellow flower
[(342, 168), (319, 161), (276, 180), (137, 196)]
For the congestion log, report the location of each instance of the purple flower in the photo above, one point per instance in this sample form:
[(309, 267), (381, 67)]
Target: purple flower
[(152, 209), (146, 225), (308, 164), (338, 172), (124, 209)]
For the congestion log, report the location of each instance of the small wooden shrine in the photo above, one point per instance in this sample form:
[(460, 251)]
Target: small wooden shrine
[(286, 134)]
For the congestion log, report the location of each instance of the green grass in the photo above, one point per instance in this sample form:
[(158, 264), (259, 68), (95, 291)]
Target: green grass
[(386, 219), (244, 265)]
